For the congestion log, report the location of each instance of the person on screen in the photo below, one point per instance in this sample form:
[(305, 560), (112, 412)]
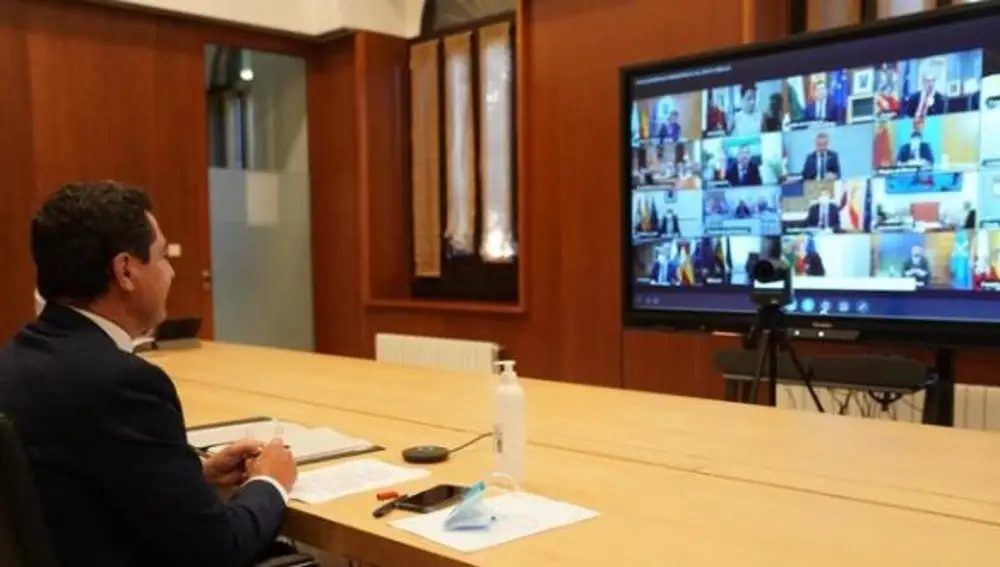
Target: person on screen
[(916, 152), (670, 224), (822, 108), (970, 216), (917, 267), (686, 178), (710, 261), (715, 118), (744, 171), (823, 214), (774, 118), (661, 272), (926, 102), (823, 163), (743, 210), (670, 131), (802, 256), (748, 119)]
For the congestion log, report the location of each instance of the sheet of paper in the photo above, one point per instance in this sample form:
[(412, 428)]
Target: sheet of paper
[(517, 515), (260, 430), (335, 481), (317, 442), (303, 442)]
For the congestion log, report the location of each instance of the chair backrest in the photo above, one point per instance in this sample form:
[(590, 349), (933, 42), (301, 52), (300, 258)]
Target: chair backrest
[(24, 537)]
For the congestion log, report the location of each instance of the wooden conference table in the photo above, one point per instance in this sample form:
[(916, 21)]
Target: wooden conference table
[(678, 481)]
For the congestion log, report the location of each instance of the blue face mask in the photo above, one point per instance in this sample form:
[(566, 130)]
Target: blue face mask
[(471, 513)]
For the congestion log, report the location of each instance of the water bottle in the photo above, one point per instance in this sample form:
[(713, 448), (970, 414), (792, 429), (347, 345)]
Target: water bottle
[(509, 437)]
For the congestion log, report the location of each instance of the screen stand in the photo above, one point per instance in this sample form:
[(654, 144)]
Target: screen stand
[(771, 322), (939, 399)]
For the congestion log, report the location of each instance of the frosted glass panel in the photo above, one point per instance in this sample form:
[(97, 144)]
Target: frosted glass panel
[(260, 221)]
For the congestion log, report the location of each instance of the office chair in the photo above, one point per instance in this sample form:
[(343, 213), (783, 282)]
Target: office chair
[(24, 537)]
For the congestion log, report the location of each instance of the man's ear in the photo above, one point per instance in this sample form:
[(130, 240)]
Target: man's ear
[(121, 265)]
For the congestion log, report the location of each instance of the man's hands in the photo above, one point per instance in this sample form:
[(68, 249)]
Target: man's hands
[(227, 468), (276, 461), (241, 460)]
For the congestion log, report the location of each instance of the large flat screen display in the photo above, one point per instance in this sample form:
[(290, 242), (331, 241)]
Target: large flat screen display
[(868, 159)]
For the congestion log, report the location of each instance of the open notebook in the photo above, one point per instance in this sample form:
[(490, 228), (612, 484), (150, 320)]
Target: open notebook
[(308, 445)]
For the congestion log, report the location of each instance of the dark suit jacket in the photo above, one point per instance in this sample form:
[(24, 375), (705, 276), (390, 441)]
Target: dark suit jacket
[(832, 165), (922, 264), (750, 177), (104, 432), (912, 104), (905, 154), (832, 216), (834, 113)]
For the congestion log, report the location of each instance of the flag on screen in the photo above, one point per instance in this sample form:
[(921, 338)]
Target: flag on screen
[(729, 256), (838, 88), (796, 104), (851, 203), (867, 222)]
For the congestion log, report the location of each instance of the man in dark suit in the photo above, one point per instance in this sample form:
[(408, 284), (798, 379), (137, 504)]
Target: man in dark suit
[(822, 108), (744, 171), (670, 224), (926, 102), (823, 214), (917, 267), (103, 429), (823, 163), (917, 152)]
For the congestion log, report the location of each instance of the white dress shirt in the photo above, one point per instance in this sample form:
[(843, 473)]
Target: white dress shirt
[(124, 343)]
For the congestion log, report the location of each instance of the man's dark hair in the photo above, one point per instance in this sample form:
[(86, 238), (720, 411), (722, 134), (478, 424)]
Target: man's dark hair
[(78, 232), (747, 87)]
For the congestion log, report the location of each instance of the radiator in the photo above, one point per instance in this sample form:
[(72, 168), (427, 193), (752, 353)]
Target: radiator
[(431, 352), (976, 407)]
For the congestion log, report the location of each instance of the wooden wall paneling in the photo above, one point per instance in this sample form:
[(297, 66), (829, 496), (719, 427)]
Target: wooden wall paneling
[(335, 201), (570, 54), (521, 117), (573, 101), (382, 104), (766, 20), (113, 97), (890, 8), (977, 366), (674, 363), (17, 193), (96, 91), (181, 191), (824, 14)]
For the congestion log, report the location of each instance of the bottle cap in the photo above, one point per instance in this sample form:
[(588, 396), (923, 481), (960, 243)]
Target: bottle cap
[(505, 365)]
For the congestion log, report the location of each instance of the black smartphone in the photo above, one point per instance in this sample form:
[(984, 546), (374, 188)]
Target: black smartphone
[(431, 499)]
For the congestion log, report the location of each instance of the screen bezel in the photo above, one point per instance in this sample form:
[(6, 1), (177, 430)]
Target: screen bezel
[(869, 329)]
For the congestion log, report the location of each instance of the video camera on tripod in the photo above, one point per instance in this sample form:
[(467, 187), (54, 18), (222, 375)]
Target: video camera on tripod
[(771, 291)]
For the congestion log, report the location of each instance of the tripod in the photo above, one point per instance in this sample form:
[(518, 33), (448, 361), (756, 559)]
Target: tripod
[(771, 319)]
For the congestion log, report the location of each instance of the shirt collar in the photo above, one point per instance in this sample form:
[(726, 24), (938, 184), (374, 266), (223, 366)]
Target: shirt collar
[(122, 339)]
